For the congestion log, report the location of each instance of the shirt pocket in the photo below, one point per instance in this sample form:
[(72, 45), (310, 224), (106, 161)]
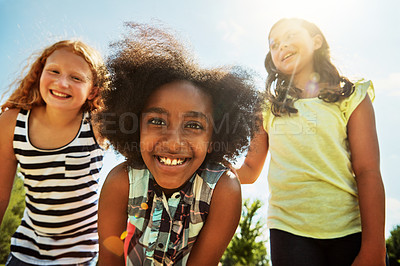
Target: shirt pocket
[(77, 165)]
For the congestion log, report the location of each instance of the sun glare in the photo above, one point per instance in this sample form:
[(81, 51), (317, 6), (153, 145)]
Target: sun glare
[(319, 12)]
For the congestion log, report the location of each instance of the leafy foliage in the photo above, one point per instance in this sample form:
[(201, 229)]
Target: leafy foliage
[(247, 246), (12, 217), (393, 246)]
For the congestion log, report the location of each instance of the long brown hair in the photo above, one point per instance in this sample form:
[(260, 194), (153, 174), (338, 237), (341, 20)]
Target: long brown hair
[(280, 91), (27, 93)]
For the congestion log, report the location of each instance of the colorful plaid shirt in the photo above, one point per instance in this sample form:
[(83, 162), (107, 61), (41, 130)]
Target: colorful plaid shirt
[(161, 230)]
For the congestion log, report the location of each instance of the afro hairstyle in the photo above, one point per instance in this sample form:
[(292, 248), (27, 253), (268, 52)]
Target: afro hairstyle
[(148, 57)]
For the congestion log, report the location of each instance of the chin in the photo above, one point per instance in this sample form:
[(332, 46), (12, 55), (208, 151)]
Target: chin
[(170, 185)]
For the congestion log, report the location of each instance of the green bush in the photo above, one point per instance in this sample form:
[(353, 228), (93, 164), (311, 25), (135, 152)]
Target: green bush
[(247, 247), (393, 246), (12, 217)]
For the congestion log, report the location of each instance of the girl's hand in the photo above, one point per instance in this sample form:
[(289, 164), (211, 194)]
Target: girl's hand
[(370, 258)]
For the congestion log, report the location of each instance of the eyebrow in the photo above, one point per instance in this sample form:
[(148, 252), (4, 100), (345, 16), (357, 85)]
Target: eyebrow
[(194, 114), (157, 110)]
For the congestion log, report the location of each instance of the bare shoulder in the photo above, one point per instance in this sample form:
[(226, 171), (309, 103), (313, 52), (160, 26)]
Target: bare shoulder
[(8, 120), (228, 187), (118, 177), (11, 112), (8, 161), (228, 184), (115, 191)]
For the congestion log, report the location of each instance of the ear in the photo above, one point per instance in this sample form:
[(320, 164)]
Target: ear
[(93, 93), (318, 40), (209, 150)]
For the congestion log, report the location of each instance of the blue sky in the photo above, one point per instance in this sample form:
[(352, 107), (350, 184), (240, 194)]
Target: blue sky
[(364, 39)]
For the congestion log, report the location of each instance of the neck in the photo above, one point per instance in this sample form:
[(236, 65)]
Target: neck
[(311, 90), (168, 192), (60, 118), (307, 83)]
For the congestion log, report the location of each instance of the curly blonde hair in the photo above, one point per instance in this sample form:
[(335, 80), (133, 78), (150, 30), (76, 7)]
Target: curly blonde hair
[(27, 93)]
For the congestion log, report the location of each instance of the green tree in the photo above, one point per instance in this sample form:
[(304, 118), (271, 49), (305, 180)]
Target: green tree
[(393, 246), (12, 217), (247, 246)]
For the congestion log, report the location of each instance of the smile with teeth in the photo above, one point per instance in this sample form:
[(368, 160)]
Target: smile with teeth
[(287, 55), (170, 161), (59, 94)]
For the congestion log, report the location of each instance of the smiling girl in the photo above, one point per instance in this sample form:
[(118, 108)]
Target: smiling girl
[(327, 200), (45, 127), (182, 202)]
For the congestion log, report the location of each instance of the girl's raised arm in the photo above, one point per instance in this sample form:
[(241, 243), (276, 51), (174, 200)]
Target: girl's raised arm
[(221, 224), (113, 216), (8, 162), (255, 158), (365, 161)]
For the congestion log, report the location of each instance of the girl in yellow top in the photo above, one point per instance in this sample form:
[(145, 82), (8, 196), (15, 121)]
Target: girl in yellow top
[(327, 202)]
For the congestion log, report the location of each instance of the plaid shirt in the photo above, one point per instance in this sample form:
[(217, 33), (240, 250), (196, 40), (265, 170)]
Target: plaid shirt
[(162, 231)]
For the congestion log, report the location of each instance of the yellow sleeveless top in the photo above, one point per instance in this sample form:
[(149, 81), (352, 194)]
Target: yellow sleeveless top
[(313, 191)]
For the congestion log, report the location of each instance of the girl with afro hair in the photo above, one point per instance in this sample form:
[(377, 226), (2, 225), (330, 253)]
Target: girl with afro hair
[(180, 127)]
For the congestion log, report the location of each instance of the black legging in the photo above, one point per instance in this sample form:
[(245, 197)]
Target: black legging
[(292, 250)]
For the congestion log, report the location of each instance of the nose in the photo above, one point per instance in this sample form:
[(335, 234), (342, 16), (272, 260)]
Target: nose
[(174, 139), (62, 82), (284, 45)]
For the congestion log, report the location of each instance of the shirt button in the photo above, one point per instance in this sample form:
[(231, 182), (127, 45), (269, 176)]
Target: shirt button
[(160, 245)]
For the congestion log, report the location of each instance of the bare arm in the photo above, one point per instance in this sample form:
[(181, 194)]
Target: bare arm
[(255, 158), (113, 216), (365, 161), (221, 223), (8, 162)]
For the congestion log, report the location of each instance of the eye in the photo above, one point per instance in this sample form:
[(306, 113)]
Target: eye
[(156, 122), (194, 125), (53, 71), (274, 46), (76, 78)]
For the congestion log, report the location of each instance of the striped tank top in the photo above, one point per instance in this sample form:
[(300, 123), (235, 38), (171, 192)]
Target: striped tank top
[(59, 225)]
